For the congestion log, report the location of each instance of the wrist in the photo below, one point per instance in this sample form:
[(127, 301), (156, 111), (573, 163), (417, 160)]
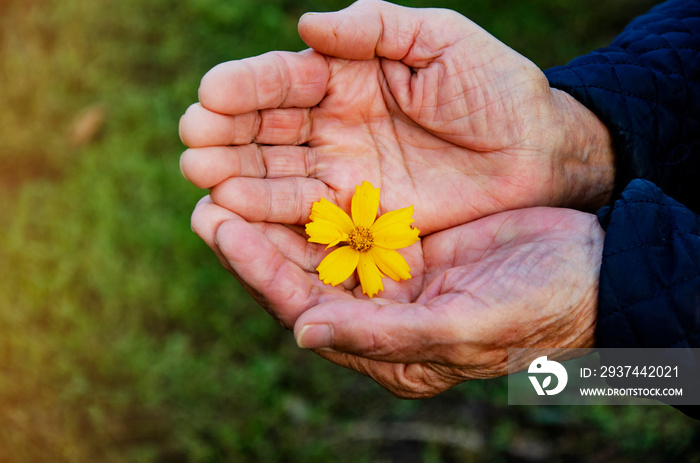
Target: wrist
[(583, 156)]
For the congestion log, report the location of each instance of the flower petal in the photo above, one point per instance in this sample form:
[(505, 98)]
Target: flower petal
[(325, 232), (365, 204), (326, 210), (396, 238), (391, 263), (393, 230), (399, 216), (370, 276), (337, 266)]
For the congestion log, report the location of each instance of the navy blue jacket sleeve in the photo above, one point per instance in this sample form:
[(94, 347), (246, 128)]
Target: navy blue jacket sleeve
[(649, 292), (645, 87)]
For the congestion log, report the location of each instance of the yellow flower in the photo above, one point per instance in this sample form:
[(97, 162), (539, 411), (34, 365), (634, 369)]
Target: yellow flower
[(371, 244)]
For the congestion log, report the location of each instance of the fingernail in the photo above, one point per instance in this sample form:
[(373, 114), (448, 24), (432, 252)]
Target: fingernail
[(315, 337), (310, 13)]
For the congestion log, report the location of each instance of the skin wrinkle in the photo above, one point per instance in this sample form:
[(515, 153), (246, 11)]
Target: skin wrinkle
[(305, 259), (404, 157), (275, 125), (452, 293), (313, 298), (290, 297), (521, 131), (298, 201), (380, 343), (254, 123), (285, 161), (375, 136), (439, 351), (465, 90), (489, 360), (433, 78), (411, 41), (312, 257), (283, 71), (432, 54), (426, 111), (268, 198), (257, 81), (380, 38), (307, 153), (553, 337), (261, 160), (491, 244), (239, 162), (409, 37), (414, 383), (310, 298), (485, 190), (505, 90), (305, 130)]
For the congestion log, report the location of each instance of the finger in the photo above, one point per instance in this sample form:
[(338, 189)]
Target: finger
[(205, 221), (387, 332), (207, 167), (200, 127), (273, 80), (285, 288), (372, 28), (208, 217), (281, 200), (293, 245)]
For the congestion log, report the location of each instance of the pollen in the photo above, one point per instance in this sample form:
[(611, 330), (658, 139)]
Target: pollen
[(360, 239)]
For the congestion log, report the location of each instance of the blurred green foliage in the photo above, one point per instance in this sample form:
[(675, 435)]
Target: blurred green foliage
[(123, 340)]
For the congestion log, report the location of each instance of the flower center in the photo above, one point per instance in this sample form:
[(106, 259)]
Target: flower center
[(360, 239)]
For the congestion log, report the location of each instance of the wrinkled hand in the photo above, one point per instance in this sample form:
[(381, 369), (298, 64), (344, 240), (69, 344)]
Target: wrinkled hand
[(421, 102), (525, 278)]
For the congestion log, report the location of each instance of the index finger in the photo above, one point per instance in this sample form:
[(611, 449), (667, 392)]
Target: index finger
[(273, 80)]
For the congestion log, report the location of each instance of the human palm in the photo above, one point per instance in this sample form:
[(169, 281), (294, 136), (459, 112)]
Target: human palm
[(516, 279), (525, 278), (449, 120)]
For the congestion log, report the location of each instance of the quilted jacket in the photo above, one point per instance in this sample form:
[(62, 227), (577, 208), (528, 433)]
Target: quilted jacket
[(646, 88)]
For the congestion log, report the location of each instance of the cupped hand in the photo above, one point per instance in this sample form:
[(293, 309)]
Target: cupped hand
[(516, 279), (421, 102)]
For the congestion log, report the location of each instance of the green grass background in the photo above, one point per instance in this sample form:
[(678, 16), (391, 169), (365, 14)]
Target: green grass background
[(121, 337)]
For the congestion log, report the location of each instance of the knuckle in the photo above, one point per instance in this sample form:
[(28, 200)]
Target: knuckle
[(417, 381)]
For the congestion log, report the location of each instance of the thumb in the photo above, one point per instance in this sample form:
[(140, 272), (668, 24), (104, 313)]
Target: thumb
[(403, 333), (365, 29)]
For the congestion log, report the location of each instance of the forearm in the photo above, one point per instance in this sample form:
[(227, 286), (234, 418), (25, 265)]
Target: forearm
[(583, 158)]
